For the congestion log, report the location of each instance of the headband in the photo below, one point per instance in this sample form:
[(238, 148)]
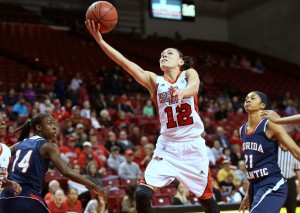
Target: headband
[(263, 98)]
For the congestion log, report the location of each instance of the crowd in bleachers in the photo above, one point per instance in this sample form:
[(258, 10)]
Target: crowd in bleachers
[(110, 137)]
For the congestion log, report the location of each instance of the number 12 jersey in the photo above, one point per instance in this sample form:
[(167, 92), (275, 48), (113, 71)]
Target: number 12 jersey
[(177, 122)]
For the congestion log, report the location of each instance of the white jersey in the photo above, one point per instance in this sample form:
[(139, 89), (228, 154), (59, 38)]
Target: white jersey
[(177, 122), (4, 160)]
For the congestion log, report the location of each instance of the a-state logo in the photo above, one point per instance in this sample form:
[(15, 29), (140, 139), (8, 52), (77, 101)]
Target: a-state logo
[(167, 96)]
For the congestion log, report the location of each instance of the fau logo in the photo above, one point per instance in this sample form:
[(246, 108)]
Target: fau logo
[(167, 97)]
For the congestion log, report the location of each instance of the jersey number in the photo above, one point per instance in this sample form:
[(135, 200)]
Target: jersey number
[(183, 116), (24, 163), (249, 161)]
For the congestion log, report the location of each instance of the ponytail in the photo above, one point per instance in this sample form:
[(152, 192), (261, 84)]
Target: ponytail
[(26, 127), (25, 130), (188, 61)]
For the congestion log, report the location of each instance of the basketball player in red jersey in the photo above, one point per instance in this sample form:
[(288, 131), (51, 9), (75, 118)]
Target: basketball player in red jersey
[(180, 151), (5, 155)]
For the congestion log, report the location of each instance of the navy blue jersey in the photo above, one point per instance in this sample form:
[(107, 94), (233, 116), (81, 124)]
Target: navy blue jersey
[(260, 153), (29, 167)]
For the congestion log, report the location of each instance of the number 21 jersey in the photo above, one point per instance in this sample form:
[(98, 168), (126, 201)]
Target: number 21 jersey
[(177, 122)]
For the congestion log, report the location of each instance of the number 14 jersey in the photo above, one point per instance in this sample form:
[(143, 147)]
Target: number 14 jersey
[(177, 122)]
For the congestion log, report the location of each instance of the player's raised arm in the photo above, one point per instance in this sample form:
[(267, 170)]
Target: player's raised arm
[(192, 88), (283, 137), (275, 118), (145, 78)]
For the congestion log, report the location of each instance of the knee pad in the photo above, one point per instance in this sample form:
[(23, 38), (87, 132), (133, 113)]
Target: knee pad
[(143, 196), (210, 206)]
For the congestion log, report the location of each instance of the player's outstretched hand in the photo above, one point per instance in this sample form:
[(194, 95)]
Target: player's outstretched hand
[(271, 115), (6, 183), (94, 29), (245, 205), (179, 93), (101, 192)]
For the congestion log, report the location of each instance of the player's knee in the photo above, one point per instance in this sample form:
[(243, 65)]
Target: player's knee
[(210, 206), (143, 196)]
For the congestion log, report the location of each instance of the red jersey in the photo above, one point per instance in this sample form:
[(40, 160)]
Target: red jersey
[(76, 208), (54, 209)]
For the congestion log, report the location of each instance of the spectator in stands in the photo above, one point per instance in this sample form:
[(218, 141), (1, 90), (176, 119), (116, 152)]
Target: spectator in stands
[(129, 169), (57, 203), (9, 138), (105, 120), (221, 114), (235, 138), (53, 185), (93, 174), (128, 202), (96, 205), (245, 63), (98, 149), (71, 184), (234, 62), (135, 135), (29, 93), (59, 112), (72, 202), (122, 122), (236, 154), (70, 153), (67, 127), (75, 86), (59, 89), (227, 187), (144, 140), (87, 155), (125, 105), (86, 109), (236, 105), (80, 135), (111, 141), (217, 191), (225, 171), (149, 151), (69, 105), (100, 103), (241, 172), (258, 66), (209, 128), (148, 109), (94, 120), (3, 108), (20, 108), (124, 142), (115, 159), (112, 102), (11, 97), (290, 108), (182, 195), (239, 195), (221, 137), (217, 150), (226, 154), (77, 118), (48, 79), (46, 105)]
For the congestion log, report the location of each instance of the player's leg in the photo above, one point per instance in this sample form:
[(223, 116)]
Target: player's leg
[(291, 200), (269, 198), (210, 206), (143, 196)]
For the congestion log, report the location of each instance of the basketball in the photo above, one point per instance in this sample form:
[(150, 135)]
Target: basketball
[(104, 13)]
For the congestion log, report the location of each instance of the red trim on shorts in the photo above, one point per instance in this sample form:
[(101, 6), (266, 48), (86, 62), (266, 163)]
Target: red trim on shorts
[(168, 80), (36, 197), (208, 192)]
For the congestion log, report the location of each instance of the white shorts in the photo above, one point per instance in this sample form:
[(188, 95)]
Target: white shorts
[(187, 161)]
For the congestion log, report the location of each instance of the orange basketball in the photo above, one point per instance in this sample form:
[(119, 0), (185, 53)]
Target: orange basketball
[(104, 13)]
